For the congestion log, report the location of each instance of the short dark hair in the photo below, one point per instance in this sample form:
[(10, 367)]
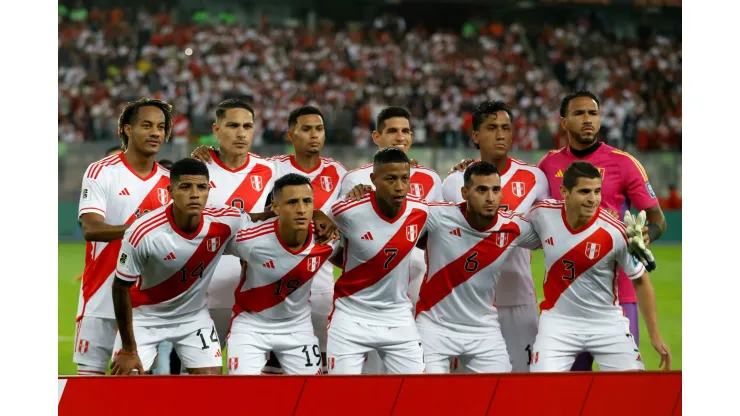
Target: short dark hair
[(390, 155), (290, 179), (188, 166), (478, 169), (302, 111), (486, 108), (166, 163), (131, 110), (575, 94), (390, 112), (225, 105), (579, 169), (113, 149)]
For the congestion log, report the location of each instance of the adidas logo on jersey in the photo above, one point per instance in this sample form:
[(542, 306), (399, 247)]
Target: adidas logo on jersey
[(456, 232), (218, 354), (170, 256), (213, 185), (269, 265), (124, 192), (559, 174), (367, 236), (550, 241)]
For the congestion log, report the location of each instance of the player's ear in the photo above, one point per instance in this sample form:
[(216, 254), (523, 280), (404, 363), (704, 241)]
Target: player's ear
[(214, 128), (563, 191), (376, 137), (464, 192), (475, 137), (289, 134), (563, 124), (171, 191), (127, 130)]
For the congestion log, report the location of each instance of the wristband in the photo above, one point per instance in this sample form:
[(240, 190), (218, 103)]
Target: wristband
[(120, 352), (653, 232)]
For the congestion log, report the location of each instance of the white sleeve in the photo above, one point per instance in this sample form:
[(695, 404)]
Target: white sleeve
[(93, 198), (433, 219), (451, 188), (232, 246), (632, 267), (543, 186), (347, 185), (128, 267), (528, 237), (436, 194)]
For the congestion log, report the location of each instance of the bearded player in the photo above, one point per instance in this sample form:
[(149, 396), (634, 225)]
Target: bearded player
[(393, 129), (625, 183), (468, 247), (115, 192), (521, 186), (584, 246)]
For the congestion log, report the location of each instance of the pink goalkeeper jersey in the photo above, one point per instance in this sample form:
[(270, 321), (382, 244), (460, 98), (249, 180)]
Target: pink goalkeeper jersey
[(625, 182)]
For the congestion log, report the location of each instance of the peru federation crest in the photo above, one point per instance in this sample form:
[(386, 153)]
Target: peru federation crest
[(417, 189), (326, 183), (163, 196), (592, 250), (256, 182), (412, 232), (313, 264), (213, 244), (519, 189), (502, 239)]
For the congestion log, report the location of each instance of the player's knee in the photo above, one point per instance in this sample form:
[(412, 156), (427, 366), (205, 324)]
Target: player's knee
[(91, 370), (205, 370)]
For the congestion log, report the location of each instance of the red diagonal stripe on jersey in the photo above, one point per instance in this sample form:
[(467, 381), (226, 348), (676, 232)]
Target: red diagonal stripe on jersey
[(174, 286), (555, 285), (421, 179), (372, 271), (454, 274), (258, 299), (98, 270), (510, 198), (246, 192), (331, 180)]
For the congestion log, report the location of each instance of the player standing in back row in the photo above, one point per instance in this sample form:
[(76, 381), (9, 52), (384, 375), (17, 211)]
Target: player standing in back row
[(393, 129), (521, 186), (625, 183), (239, 179), (372, 309), (115, 192), (584, 246)]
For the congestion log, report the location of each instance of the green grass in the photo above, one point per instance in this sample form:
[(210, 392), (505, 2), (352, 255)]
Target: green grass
[(667, 282)]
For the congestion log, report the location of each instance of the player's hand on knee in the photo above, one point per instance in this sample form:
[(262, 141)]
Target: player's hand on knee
[(460, 167), (125, 364), (202, 153), (358, 192), (665, 353)]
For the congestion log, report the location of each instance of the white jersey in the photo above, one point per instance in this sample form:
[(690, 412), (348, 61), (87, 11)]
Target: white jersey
[(425, 183), (326, 179), (522, 185), (111, 188), (272, 296), (172, 269), (580, 286), (463, 266), (246, 187), (377, 255)]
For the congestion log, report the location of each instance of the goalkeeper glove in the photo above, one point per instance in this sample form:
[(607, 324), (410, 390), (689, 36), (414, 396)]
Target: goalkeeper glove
[(634, 226)]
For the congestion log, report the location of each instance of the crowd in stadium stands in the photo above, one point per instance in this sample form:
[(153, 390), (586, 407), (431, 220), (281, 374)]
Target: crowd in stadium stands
[(107, 58)]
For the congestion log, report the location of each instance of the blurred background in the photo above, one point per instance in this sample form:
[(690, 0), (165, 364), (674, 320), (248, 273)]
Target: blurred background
[(352, 58)]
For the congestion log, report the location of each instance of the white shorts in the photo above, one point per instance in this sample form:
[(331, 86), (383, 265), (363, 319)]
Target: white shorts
[(196, 342), (298, 352), (222, 320), (94, 339), (321, 306), (556, 350), (224, 282), (519, 328), (483, 355), (349, 343)]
